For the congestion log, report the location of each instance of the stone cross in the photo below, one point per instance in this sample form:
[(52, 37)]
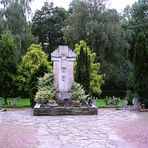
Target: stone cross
[(63, 68)]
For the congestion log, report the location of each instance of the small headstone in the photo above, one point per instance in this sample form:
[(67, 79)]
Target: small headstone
[(14, 100), (136, 103), (3, 109), (94, 101), (125, 104)]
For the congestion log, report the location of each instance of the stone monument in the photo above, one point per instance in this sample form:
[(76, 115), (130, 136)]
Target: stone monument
[(63, 68)]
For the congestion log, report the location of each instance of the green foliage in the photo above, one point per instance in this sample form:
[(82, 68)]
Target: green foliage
[(87, 71), (138, 53), (46, 90), (112, 100), (20, 103), (102, 31), (24, 3), (48, 24), (102, 103), (12, 12), (31, 61), (13, 17), (34, 80), (140, 63), (8, 64), (27, 39), (83, 69), (78, 93), (76, 29)]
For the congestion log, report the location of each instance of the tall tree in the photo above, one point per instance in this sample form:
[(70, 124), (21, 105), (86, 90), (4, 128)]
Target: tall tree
[(48, 24), (1, 20), (83, 69), (77, 21), (25, 4), (102, 30), (8, 65), (15, 18), (138, 53), (140, 62), (14, 14)]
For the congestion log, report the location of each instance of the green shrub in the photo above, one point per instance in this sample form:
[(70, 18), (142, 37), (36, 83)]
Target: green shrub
[(43, 68), (31, 61), (78, 93), (112, 100), (46, 90)]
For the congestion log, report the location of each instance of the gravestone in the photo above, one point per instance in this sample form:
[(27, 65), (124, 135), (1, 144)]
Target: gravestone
[(125, 104), (136, 103), (63, 68), (14, 100)]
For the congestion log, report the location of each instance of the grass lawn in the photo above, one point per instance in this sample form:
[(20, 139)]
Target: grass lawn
[(25, 102), (22, 102), (102, 103)]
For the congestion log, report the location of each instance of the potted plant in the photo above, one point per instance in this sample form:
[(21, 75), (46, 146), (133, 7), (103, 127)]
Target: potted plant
[(51, 102), (76, 103)]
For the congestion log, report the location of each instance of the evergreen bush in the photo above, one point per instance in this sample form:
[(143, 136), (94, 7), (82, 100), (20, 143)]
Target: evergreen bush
[(46, 90), (78, 94)]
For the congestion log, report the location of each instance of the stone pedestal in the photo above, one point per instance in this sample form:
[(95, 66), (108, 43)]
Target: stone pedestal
[(58, 111)]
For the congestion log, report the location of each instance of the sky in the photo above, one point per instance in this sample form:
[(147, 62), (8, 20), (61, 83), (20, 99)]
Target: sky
[(117, 4)]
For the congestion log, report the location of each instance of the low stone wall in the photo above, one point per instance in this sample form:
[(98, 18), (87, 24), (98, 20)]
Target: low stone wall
[(59, 111)]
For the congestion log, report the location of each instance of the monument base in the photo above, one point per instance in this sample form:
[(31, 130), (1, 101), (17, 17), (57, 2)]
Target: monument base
[(59, 111)]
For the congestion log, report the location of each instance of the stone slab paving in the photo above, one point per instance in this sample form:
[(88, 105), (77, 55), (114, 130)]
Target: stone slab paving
[(108, 129)]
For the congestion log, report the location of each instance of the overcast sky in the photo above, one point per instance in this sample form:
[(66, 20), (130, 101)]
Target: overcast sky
[(117, 4)]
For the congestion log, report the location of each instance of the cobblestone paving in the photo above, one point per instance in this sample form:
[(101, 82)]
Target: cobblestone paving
[(108, 129)]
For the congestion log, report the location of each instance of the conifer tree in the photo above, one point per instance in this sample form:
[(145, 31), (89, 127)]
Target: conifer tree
[(140, 62), (83, 69), (86, 70), (8, 64)]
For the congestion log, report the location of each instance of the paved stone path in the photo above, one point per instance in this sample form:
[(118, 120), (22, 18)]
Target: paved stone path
[(109, 129)]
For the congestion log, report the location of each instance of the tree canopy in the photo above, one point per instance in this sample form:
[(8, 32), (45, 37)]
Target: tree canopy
[(48, 24), (8, 65), (116, 41), (138, 53), (31, 61)]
